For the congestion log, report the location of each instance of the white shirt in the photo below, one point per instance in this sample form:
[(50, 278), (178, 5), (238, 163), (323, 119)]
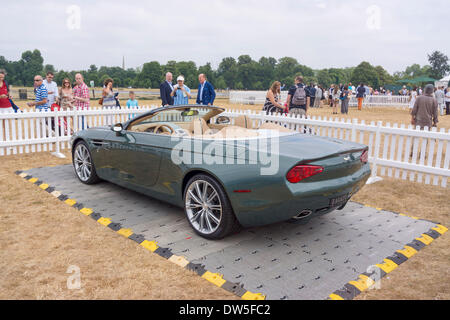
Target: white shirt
[(447, 96), (201, 91), (439, 95), (51, 87)]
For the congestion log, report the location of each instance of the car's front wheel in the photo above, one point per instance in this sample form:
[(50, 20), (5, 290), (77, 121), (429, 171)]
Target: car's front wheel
[(83, 164), (208, 209)]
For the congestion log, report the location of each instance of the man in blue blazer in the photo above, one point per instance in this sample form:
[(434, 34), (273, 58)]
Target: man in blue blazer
[(206, 93), (166, 89)]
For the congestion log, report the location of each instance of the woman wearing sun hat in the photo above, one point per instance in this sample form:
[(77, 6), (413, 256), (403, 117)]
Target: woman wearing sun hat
[(181, 93)]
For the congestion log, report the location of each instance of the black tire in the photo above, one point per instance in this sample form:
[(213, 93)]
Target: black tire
[(228, 222), (92, 177)]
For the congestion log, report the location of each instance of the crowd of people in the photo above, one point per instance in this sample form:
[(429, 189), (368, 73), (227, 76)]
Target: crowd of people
[(76, 95), (69, 96), (300, 96)]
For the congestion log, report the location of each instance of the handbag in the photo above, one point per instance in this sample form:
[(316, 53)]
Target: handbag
[(100, 101)]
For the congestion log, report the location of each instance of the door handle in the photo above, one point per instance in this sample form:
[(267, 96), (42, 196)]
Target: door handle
[(99, 143)]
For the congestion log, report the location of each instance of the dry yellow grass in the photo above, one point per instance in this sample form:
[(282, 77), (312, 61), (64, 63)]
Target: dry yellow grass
[(40, 237), (426, 275)]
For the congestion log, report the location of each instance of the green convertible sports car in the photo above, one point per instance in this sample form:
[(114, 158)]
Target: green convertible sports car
[(225, 173)]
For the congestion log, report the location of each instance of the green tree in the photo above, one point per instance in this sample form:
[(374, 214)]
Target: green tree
[(305, 71), (439, 65), (92, 68), (92, 75), (189, 71), (60, 75), (324, 78), (247, 71), (49, 68), (239, 86), (209, 72), (104, 77), (32, 65), (365, 73), (244, 59), (384, 76), (286, 69), (151, 75), (266, 72), (171, 66), (337, 75), (228, 70), (13, 70), (220, 83), (416, 70)]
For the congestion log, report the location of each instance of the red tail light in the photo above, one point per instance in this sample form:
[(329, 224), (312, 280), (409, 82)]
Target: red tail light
[(365, 156), (298, 173)]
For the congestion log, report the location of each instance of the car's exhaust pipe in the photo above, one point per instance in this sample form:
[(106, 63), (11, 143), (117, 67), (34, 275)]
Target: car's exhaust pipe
[(302, 215)]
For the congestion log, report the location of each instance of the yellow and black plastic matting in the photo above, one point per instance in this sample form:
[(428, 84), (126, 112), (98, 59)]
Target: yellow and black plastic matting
[(335, 256)]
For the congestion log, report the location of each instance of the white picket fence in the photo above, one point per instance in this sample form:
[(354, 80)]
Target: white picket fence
[(31, 131), (400, 152), (259, 97)]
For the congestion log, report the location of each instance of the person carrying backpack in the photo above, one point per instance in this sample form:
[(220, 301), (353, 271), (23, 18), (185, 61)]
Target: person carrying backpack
[(298, 98)]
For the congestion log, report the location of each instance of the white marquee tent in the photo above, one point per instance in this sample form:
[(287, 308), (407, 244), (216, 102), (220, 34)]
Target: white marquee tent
[(443, 82)]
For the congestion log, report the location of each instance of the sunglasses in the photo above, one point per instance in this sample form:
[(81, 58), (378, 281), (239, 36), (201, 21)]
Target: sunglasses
[(37, 80)]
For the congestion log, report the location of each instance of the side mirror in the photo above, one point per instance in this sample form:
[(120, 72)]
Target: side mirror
[(117, 128)]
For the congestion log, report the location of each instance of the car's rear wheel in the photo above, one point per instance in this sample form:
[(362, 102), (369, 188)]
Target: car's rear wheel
[(83, 164), (208, 209)]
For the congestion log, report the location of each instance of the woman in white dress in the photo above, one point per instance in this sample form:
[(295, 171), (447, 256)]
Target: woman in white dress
[(412, 98)]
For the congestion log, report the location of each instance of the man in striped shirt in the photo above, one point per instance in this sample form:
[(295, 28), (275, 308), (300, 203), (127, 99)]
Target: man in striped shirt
[(41, 102)]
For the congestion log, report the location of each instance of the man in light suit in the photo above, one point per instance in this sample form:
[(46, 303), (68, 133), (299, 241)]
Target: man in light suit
[(206, 93), (166, 89)]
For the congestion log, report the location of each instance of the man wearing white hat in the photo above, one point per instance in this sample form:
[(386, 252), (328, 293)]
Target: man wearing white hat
[(181, 93)]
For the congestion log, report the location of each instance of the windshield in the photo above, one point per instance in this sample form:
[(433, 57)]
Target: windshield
[(179, 115), (187, 115)]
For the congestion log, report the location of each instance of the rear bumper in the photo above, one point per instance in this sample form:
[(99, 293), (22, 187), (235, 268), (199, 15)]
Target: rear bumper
[(281, 204)]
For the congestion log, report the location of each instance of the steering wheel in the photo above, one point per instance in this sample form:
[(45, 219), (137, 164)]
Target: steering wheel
[(164, 129)]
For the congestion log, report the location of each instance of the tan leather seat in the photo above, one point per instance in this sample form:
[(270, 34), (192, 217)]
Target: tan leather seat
[(235, 132), (199, 127), (244, 121)]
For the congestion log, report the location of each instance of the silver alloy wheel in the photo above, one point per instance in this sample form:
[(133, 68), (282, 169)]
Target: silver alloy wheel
[(82, 162), (203, 207)]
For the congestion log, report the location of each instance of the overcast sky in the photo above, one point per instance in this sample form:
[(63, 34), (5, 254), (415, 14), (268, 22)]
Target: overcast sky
[(318, 33)]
